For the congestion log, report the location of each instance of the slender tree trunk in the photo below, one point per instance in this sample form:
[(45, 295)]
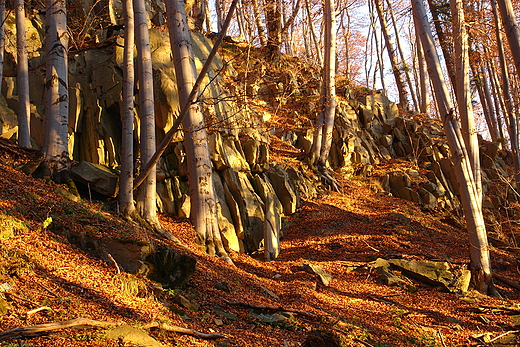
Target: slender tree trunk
[(259, 23), (202, 197), (273, 18), (486, 108), (445, 42), (22, 79), (2, 38), (394, 62), (463, 91), (57, 98), (513, 126), (499, 105), (220, 14), (325, 123), (126, 197), (314, 36), (423, 79), (492, 109), (401, 54), (479, 250), (147, 195)]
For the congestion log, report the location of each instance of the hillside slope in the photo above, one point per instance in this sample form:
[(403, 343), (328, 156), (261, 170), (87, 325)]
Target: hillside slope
[(341, 233)]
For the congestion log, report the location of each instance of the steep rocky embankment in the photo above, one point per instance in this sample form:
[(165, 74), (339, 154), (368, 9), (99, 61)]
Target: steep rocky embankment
[(260, 114)]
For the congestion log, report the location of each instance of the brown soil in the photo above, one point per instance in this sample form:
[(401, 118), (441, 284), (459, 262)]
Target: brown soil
[(342, 233)]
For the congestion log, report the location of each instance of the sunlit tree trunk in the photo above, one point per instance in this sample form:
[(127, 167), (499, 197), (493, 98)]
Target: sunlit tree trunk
[(22, 77), (273, 19), (126, 198), (55, 145), (394, 62), (463, 91), (314, 35), (259, 23), (325, 122), (423, 79), (404, 66), (506, 92), (147, 195), (200, 168), (479, 249), (2, 38)]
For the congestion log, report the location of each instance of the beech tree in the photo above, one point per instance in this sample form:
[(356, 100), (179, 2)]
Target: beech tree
[(480, 264), (513, 37), (126, 197), (55, 148), (147, 195), (203, 213), (325, 121), (22, 80)]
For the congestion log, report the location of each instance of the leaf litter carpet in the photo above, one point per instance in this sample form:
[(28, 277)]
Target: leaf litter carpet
[(342, 233)]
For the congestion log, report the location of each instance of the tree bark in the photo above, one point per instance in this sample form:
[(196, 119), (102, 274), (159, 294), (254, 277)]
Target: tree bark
[(479, 250), (57, 98), (463, 91), (147, 194), (22, 78), (506, 92), (2, 38), (202, 196), (259, 23), (126, 196), (423, 79)]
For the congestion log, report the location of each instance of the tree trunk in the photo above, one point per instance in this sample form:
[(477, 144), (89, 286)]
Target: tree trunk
[(57, 98), (2, 38), (126, 197), (259, 23), (314, 35), (325, 123), (401, 54), (463, 92), (479, 250), (506, 92), (423, 79), (202, 196), (394, 62), (273, 18), (147, 195), (22, 78)]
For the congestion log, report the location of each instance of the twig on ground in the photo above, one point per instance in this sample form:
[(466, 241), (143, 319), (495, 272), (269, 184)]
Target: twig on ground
[(177, 329), (115, 263), (24, 331), (270, 307), (372, 248), (36, 310), (441, 338)]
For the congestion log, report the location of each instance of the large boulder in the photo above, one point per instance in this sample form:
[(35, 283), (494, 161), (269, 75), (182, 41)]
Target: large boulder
[(102, 179)]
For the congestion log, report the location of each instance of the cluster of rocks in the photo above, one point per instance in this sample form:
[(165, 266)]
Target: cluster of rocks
[(252, 191)]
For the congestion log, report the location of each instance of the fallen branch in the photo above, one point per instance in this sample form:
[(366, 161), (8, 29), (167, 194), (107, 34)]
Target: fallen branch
[(271, 307), (23, 331), (177, 329), (507, 281)]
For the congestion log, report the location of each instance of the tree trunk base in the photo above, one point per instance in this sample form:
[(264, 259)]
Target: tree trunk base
[(328, 180)]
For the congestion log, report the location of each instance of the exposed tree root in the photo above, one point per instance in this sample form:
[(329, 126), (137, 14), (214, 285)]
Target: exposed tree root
[(177, 329), (24, 331), (328, 180)]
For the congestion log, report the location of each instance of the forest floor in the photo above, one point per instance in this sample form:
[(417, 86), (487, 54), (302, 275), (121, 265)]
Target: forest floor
[(45, 279)]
